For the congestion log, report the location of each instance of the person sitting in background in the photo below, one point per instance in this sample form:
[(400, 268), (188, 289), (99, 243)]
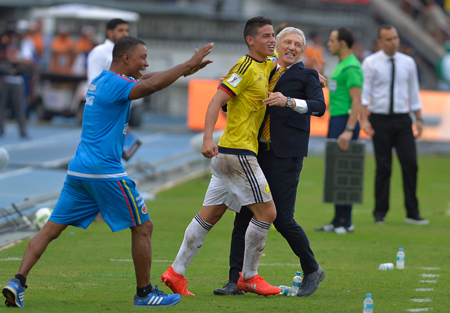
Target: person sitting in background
[(62, 51), (83, 46), (314, 55)]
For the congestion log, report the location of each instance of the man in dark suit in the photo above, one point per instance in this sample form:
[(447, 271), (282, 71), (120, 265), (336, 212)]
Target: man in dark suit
[(282, 145)]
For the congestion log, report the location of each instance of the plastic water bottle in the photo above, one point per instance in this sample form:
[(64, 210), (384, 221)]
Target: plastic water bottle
[(368, 304), (284, 290), (400, 259), (386, 266), (296, 284)]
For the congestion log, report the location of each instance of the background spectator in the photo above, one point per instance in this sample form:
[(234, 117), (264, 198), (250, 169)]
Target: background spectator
[(83, 46), (62, 51), (314, 55)]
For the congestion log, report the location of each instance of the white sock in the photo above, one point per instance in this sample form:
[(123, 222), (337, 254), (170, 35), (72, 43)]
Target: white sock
[(255, 239), (193, 240)]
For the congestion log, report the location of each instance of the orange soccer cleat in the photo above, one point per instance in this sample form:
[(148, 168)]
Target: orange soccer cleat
[(176, 282), (257, 285)]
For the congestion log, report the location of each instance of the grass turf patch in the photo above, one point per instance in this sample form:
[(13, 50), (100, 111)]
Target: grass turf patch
[(91, 271)]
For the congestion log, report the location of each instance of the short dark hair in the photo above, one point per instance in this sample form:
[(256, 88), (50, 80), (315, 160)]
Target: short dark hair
[(126, 44), (112, 24), (253, 24), (385, 26), (346, 35)]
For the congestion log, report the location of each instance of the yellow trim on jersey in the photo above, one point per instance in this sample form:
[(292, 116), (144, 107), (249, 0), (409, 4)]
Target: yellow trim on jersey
[(134, 202), (248, 82)]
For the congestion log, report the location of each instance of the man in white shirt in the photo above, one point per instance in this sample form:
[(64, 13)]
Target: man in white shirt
[(100, 57), (390, 91)]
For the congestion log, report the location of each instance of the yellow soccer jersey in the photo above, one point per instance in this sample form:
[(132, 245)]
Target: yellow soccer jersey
[(247, 83)]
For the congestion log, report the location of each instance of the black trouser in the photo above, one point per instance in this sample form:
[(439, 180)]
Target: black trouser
[(12, 92), (282, 176), (394, 131)]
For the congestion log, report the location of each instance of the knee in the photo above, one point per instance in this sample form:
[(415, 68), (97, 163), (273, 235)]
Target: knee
[(52, 230), (271, 213), (145, 229), (148, 227), (281, 223)]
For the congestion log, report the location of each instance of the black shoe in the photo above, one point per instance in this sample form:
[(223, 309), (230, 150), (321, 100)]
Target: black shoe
[(230, 289), (379, 220), (311, 283), (417, 220)]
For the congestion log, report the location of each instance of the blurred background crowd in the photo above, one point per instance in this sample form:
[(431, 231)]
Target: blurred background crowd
[(46, 54)]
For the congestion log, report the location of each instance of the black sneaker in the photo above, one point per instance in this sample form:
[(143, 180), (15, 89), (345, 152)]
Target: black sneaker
[(379, 220), (310, 283), (417, 220), (230, 289)]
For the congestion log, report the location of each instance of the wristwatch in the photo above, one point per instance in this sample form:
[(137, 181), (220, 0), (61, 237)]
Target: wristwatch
[(289, 102), (349, 128)]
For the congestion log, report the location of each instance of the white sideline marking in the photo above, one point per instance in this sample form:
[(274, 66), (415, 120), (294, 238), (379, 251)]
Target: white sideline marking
[(10, 259), (425, 289), (431, 268), (129, 260), (16, 172), (430, 275), (441, 186), (421, 300), (428, 281), (419, 310)]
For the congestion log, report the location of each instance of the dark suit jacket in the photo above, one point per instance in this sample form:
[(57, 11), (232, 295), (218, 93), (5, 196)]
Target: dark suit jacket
[(289, 130)]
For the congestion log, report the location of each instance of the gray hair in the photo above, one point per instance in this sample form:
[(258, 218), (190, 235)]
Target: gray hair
[(291, 30)]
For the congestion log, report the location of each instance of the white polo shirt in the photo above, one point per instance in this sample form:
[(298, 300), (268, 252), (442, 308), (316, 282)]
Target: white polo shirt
[(99, 59), (376, 89)]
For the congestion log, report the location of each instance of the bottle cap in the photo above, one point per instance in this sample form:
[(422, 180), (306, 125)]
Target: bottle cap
[(299, 273), (400, 249), (368, 295)]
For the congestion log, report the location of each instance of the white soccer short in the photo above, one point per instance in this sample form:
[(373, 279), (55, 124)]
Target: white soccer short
[(237, 180)]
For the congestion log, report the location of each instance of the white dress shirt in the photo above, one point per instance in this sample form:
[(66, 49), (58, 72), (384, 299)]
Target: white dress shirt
[(300, 105), (99, 59), (376, 89)]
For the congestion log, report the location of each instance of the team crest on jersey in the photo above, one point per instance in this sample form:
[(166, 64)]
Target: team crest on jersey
[(234, 80), (92, 87), (90, 100), (267, 189), (144, 209), (260, 78), (332, 85)]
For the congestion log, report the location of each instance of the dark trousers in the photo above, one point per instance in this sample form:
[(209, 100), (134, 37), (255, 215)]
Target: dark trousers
[(336, 126), (12, 92), (283, 177), (394, 132)]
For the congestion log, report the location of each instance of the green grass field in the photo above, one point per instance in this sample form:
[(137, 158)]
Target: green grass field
[(90, 270)]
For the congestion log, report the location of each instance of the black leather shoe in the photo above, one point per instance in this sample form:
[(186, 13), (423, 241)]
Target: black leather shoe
[(230, 289), (311, 283), (379, 220)]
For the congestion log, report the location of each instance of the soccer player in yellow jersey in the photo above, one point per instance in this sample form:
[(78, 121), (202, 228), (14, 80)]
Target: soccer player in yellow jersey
[(237, 179)]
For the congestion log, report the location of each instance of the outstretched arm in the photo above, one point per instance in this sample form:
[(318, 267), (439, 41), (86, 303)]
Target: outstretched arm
[(163, 79)]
